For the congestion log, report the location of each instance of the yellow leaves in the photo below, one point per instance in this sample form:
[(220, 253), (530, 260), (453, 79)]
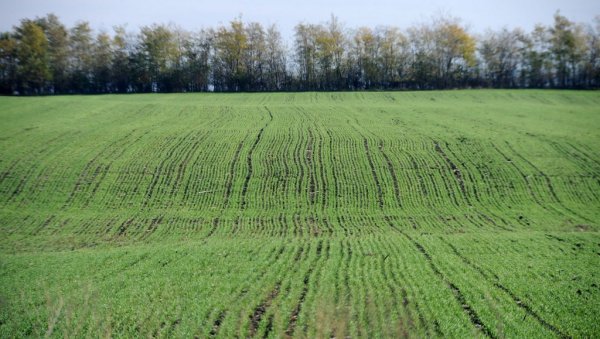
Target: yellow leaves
[(364, 36), (459, 43)]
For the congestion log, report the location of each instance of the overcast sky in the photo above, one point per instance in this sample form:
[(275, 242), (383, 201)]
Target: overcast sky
[(195, 14)]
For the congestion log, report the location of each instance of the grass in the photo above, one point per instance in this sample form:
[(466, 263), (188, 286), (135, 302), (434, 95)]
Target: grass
[(404, 214)]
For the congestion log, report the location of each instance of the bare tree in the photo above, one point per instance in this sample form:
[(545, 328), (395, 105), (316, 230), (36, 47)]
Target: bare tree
[(502, 54), (275, 60)]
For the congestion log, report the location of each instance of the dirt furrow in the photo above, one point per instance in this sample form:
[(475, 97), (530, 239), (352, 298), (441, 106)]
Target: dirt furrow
[(261, 309)]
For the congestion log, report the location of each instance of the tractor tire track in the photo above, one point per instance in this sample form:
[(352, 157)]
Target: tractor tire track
[(455, 171), (291, 327), (92, 169), (392, 173), (518, 301), (249, 160), (374, 173), (548, 184), (456, 292), (163, 167)]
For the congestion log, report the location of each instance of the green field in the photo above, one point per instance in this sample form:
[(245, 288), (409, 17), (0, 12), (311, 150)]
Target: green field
[(438, 214)]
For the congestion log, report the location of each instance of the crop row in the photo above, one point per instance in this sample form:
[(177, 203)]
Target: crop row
[(376, 285), (294, 160)]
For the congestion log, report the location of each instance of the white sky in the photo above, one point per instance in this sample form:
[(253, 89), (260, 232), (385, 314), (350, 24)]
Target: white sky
[(195, 14)]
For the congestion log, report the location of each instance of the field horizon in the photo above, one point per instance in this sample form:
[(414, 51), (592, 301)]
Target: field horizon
[(456, 213)]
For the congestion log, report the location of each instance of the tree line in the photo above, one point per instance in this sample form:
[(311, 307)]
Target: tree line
[(43, 56)]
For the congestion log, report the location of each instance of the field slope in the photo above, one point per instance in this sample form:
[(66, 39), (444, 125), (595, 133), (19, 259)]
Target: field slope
[(405, 214)]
